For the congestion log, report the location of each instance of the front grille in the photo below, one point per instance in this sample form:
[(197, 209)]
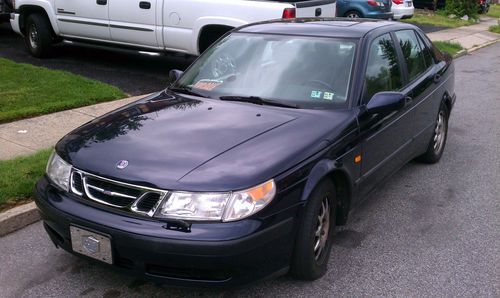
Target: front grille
[(133, 198)]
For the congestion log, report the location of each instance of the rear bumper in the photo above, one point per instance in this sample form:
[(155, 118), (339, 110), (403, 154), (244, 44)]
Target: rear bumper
[(379, 15), (402, 12), (210, 255)]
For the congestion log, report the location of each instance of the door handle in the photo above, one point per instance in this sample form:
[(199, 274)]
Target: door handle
[(437, 78), (102, 2), (408, 100), (145, 5)]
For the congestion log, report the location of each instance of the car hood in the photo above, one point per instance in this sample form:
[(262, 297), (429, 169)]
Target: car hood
[(169, 141)]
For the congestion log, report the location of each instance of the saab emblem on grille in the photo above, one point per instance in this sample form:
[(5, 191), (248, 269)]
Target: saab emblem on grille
[(90, 244), (122, 164)]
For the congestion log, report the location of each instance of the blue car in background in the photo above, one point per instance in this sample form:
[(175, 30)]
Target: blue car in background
[(374, 9)]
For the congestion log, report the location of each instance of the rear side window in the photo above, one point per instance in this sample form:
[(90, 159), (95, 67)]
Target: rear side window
[(382, 71), (412, 52)]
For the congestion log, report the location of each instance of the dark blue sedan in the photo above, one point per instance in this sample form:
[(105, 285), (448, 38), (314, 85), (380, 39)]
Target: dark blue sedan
[(245, 165)]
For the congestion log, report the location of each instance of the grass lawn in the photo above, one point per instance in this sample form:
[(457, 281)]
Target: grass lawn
[(27, 90), (439, 19), (494, 11), (451, 47), (18, 177), (495, 29)]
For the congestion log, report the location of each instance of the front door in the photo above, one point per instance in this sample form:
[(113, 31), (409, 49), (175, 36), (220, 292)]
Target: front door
[(386, 138), (134, 21), (83, 18)]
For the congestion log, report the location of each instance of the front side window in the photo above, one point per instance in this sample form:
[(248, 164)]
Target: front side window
[(383, 71), (303, 71), (412, 53)]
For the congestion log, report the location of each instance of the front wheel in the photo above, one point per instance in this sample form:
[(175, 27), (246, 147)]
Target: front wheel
[(438, 141), (38, 35), (314, 238)]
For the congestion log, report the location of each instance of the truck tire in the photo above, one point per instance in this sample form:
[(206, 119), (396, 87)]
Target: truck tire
[(9, 4), (38, 35)]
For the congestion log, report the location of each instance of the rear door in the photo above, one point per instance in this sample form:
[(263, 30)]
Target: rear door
[(423, 80), (83, 18), (134, 21)]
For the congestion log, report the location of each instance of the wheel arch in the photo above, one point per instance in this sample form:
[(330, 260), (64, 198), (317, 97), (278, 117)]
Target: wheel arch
[(207, 23), (331, 170), (447, 101), (26, 10), (354, 9)]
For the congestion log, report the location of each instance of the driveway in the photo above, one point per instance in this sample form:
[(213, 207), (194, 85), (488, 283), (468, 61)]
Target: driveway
[(432, 230), (132, 72)]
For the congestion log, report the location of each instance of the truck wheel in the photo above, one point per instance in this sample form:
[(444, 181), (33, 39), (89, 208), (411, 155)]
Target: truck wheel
[(38, 35), (314, 238)]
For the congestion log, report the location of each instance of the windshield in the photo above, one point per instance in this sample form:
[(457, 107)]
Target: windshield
[(308, 72)]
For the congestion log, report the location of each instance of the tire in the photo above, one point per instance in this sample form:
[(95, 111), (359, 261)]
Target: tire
[(438, 140), (353, 14), (308, 263), (38, 35)]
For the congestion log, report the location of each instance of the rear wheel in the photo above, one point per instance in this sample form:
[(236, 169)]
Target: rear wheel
[(353, 14), (314, 238), (438, 141), (38, 35)]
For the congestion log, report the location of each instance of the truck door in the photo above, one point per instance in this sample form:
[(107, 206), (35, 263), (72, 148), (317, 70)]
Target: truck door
[(83, 18), (134, 21)]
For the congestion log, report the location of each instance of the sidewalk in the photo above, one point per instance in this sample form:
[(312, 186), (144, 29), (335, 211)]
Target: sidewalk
[(469, 37), (25, 137)]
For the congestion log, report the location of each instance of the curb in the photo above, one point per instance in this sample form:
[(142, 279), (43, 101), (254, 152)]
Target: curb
[(482, 46), (460, 54), (18, 217)]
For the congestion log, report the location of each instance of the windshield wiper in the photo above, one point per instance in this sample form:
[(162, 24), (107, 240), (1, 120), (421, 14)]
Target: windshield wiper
[(185, 90), (259, 101)]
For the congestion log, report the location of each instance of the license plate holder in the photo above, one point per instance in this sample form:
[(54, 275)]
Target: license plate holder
[(91, 244)]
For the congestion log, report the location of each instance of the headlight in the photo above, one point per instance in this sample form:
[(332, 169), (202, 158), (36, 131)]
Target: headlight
[(217, 206), (58, 171)]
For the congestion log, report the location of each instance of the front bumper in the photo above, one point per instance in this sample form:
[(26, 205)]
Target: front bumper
[(211, 254), (14, 23)]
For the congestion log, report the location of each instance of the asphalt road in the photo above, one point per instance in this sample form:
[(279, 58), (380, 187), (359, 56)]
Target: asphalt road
[(432, 230)]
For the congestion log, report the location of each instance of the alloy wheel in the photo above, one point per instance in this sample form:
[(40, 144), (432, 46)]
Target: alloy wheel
[(322, 228), (439, 132)]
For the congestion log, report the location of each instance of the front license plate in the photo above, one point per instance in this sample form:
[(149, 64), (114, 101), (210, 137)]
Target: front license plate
[(91, 244)]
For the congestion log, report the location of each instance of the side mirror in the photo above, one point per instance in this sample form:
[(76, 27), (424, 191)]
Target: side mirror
[(386, 102), (174, 75)]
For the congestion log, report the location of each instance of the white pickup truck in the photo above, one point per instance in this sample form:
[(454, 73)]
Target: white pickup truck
[(186, 26)]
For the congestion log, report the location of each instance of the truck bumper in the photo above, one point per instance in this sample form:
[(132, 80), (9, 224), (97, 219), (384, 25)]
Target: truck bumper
[(14, 23)]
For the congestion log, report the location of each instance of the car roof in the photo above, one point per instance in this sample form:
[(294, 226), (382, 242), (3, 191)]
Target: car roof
[(323, 27)]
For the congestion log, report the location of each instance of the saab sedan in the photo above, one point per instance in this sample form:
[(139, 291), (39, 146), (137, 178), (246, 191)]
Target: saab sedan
[(243, 167)]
